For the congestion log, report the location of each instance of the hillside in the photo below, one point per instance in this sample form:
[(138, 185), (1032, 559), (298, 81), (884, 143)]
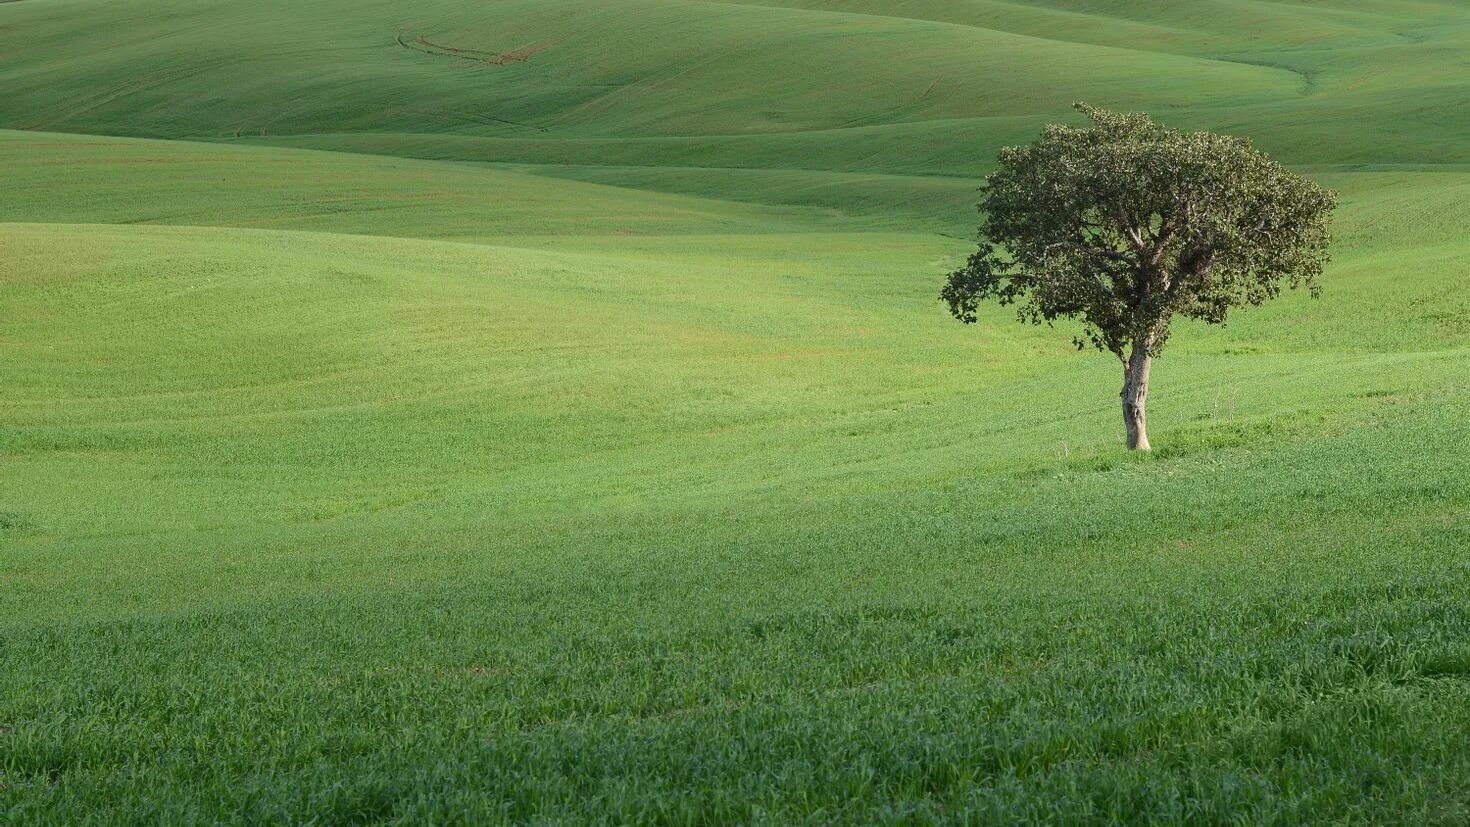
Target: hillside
[(542, 411)]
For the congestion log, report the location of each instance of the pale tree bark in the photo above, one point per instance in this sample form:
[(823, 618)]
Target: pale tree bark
[(1135, 395)]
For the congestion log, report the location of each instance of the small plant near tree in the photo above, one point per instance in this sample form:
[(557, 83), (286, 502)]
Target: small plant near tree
[(1126, 224)]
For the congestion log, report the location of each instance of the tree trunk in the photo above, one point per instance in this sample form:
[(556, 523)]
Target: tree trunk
[(1135, 395)]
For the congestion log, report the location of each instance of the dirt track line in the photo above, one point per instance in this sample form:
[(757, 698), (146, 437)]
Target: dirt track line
[(423, 41), (432, 53), (428, 47)]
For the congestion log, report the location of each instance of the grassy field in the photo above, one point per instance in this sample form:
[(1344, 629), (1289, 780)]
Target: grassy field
[(393, 435)]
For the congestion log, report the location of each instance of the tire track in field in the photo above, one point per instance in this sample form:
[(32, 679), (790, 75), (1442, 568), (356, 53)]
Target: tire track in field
[(519, 54)]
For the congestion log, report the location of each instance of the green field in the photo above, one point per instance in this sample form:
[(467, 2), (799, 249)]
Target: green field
[(389, 435)]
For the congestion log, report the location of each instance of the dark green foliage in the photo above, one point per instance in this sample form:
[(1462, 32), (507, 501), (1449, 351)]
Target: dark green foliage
[(1126, 224)]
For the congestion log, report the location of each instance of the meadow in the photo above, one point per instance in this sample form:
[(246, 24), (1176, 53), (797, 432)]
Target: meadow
[(542, 412)]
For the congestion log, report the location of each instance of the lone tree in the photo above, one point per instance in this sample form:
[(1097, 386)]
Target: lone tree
[(1126, 224)]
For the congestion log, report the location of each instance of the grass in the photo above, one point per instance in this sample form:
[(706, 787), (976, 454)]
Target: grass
[(581, 440)]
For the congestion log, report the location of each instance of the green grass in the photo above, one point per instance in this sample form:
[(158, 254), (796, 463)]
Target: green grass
[(581, 439)]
